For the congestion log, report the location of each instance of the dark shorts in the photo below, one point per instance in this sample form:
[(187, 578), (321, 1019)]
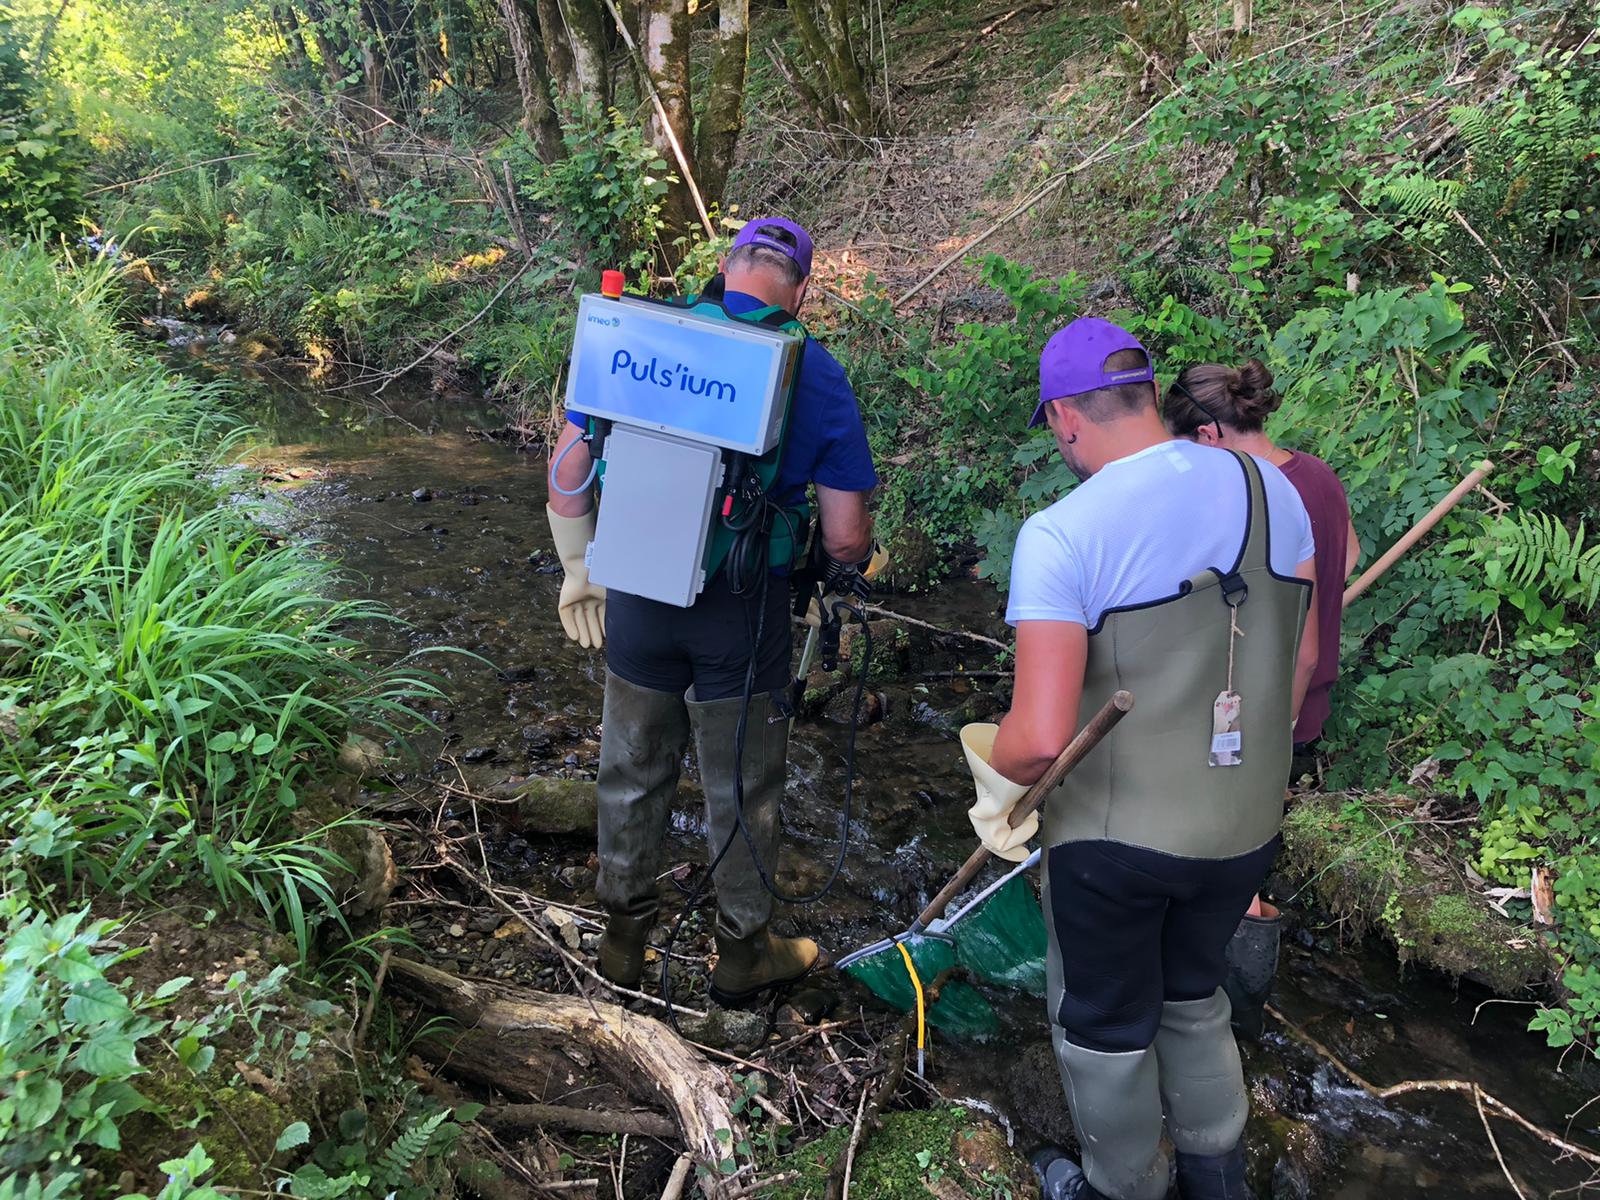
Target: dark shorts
[(1136, 928), (706, 646)]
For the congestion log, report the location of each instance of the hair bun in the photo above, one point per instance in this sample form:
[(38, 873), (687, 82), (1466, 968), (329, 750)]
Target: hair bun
[(1252, 394)]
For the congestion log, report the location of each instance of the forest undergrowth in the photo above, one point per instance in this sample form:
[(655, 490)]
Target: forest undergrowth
[(1397, 208)]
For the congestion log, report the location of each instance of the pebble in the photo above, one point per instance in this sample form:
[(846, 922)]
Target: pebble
[(478, 754), (422, 495), (486, 923), (457, 931)]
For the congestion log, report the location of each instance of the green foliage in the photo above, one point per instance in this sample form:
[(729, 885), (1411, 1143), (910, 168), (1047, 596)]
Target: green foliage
[(181, 679), (40, 157), (1535, 552), (70, 1041), (1292, 128), (608, 189), (411, 1163)]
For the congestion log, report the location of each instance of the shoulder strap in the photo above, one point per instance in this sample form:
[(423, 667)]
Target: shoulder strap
[(1255, 547)]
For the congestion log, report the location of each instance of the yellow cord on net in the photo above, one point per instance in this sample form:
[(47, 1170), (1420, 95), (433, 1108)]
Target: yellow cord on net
[(916, 983)]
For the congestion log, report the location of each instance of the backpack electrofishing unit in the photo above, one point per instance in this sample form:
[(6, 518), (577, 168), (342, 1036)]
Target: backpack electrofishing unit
[(687, 409)]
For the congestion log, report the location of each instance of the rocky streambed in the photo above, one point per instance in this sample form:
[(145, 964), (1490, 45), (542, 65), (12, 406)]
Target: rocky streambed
[(446, 527)]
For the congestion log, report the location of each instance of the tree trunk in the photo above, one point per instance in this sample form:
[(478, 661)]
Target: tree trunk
[(527, 56), (558, 50), (1243, 14), (666, 58), (288, 23), (585, 25), (507, 1036), (723, 114), (832, 67)]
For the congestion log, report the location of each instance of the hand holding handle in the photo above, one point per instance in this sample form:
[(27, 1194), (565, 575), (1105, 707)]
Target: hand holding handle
[(1102, 723)]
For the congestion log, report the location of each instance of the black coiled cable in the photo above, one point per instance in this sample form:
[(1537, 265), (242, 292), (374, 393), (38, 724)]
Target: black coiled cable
[(749, 552)]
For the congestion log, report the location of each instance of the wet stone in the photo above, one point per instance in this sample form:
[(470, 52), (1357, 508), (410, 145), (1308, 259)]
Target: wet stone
[(478, 754), (485, 923), (422, 495)]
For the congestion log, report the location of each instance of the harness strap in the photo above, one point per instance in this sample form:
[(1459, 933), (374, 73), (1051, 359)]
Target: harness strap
[(1256, 545)]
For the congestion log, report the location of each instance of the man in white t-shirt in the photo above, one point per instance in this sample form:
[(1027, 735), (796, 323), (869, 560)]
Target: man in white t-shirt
[(1181, 573)]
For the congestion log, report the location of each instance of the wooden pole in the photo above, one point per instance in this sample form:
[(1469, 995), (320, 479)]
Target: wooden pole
[(1102, 723), (1417, 532)]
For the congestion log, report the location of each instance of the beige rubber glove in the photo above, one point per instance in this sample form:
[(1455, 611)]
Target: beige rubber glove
[(997, 796), (582, 604)]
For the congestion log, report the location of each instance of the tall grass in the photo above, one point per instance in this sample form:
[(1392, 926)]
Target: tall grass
[(173, 681)]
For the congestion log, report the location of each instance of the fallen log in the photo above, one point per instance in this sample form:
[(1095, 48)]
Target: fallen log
[(583, 1120), (508, 1034)]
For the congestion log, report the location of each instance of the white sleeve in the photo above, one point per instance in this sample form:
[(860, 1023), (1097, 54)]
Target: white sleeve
[(1305, 540), (1046, 581), (1291, 523)]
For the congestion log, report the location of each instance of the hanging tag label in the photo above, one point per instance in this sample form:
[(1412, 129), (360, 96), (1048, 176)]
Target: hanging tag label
[(1226, 740)]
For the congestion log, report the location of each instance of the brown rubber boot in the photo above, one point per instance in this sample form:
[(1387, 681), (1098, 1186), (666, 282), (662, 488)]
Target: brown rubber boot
[(749, 968), (622, 948)]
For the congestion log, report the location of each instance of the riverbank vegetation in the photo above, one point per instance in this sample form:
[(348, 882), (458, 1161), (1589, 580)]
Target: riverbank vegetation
[(1396, 207)]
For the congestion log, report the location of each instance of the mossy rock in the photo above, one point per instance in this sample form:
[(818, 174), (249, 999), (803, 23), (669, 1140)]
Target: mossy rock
[(944, 1153), (203, 302), (1402, 885), (557, 806)]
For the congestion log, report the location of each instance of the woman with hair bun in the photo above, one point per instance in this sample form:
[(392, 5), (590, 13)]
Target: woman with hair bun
[(1228, 407)]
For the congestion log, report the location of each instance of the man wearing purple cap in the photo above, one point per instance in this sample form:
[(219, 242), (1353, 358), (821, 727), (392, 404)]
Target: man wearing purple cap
[(1182, 573), (674, 671)]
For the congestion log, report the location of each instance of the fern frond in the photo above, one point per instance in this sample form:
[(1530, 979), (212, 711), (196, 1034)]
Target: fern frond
[(1476, 128), (1398, 65), (1422, 196), (1535, 550), (407, 1150)]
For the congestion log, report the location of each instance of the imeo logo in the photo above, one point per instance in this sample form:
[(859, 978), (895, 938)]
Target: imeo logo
[(605, 322)]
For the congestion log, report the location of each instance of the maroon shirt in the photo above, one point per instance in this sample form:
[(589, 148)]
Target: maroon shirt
[(1324, 498)]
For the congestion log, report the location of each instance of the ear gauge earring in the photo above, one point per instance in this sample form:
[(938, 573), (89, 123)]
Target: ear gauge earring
[(1073, 440)]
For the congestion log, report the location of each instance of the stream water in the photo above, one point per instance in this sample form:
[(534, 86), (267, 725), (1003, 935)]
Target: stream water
[(448, 530)]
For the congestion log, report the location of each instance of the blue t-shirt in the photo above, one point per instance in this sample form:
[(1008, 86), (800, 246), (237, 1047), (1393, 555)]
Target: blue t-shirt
[(827, 442)]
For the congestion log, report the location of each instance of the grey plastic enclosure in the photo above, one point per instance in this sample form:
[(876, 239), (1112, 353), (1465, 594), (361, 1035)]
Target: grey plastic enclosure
[(655, 515), (674, 371)]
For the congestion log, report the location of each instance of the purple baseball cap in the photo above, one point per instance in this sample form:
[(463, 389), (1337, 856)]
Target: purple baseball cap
[(1074, 362), (780, 234)]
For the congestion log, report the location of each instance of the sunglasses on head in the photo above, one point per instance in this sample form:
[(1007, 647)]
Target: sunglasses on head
[(1211, 417)]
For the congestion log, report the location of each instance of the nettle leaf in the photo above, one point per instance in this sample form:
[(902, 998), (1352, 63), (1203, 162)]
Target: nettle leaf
[(297, 1134), (108, 1054)]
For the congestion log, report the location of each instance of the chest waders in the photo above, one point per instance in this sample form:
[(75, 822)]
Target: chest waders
[(1145, 822), (741, 740)]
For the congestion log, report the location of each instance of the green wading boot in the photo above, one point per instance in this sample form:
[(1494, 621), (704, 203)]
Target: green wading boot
[(641, 750), (751, 961), (1115, 1103), (622, 947), (1252, 962), (1202, 1087)]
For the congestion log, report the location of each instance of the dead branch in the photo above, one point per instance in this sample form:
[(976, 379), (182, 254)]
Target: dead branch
[(868, 1114), (999, 19), (506, 1032), (583, 1120), (874, 610), (1409, 1086)]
